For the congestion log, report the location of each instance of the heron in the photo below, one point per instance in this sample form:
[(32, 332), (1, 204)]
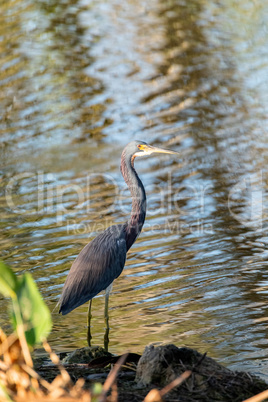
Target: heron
[(102, 260)]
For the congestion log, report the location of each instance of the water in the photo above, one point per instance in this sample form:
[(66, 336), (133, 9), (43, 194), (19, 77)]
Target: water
[(78, 80)]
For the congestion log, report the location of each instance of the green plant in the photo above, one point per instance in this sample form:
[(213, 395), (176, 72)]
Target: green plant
[(30, 316)]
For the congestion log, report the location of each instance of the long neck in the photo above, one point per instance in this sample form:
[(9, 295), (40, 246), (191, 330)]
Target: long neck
[(138, 211)]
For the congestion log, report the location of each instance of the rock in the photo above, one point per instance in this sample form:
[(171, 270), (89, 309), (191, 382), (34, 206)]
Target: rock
[(208, 382), (85, 355), (161, 365)]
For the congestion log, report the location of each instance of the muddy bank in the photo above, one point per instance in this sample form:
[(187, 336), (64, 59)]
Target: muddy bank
[(158, 368)]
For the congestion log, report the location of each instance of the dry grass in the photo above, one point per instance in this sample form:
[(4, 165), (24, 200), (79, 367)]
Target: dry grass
[(20, 382)]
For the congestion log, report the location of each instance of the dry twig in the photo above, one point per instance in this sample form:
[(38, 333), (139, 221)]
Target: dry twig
[(112, 377), (258, 398)]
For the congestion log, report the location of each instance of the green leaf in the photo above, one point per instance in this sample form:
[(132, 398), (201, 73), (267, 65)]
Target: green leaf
[(96, 391), (29, 308), (8, 281), (34, 312), (4, 393)]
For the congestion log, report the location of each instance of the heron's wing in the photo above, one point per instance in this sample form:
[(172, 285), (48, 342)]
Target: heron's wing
[(98, 264)]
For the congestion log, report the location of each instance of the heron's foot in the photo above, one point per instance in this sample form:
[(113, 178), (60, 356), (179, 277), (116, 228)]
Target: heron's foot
[(106, 339), (89, 336), (106, 318)]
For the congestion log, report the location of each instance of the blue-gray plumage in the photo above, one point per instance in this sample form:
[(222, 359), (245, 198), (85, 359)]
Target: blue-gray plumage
[(103, 259), (98, 264)]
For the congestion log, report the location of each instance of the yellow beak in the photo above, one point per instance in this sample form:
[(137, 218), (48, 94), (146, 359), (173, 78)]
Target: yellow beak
[(148, 149)]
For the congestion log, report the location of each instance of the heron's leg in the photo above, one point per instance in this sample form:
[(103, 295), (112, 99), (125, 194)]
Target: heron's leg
[(106, 316), (89, 316)]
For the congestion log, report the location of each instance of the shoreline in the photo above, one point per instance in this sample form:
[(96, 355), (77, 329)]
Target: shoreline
[(139, 377)]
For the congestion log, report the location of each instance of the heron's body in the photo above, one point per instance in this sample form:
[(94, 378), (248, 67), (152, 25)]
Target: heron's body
[(103, 259), (89, 274)]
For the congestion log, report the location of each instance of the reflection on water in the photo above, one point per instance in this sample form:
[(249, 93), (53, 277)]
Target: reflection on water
[(79, 80)]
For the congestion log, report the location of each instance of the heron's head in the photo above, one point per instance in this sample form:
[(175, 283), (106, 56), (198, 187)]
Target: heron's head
[(140, 148)]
